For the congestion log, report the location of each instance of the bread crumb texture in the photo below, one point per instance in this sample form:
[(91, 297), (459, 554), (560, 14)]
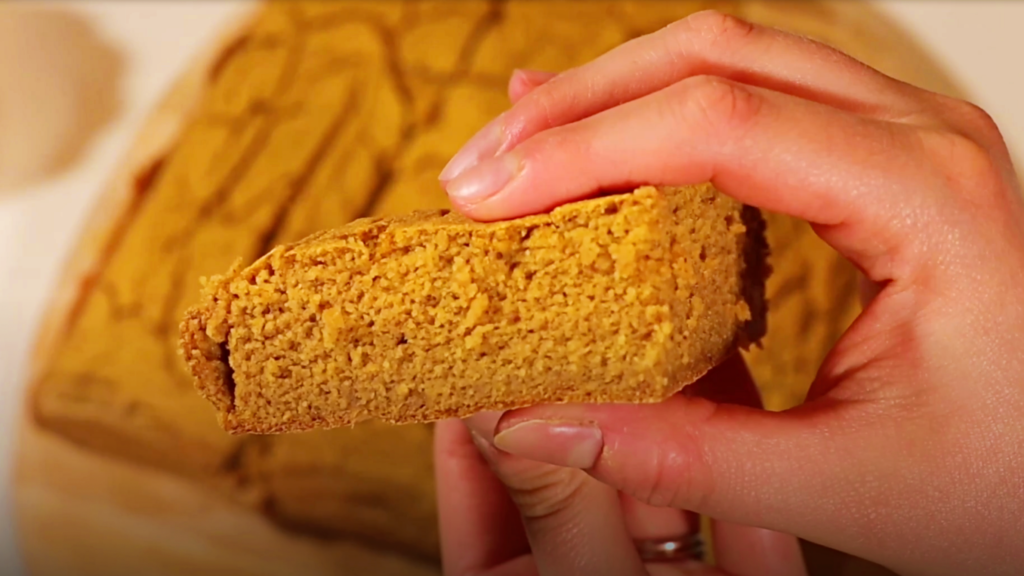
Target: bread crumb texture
[(622, 298)]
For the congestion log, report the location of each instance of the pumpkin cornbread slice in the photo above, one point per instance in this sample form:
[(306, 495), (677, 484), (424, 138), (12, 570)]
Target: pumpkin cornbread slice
[(622, 298)]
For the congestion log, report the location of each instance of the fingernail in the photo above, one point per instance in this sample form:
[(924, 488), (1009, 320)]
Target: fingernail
[(484, 180), (485, 447), (483, 145), (562, 444), (482, 424)]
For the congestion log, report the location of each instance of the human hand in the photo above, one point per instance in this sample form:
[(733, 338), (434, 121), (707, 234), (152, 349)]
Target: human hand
[(502, 515), (907, 450)]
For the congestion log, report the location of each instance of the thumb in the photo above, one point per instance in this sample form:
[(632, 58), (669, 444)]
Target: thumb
[(726, 461)]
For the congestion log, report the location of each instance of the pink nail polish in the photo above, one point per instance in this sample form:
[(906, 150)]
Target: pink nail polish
[(565, 444), (483, 145), (484, 180)]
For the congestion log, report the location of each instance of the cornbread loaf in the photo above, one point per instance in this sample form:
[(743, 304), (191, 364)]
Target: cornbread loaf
[(625, 298), (313, 114)]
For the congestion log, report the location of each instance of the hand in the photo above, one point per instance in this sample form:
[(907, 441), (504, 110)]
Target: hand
[(907, 450), (562, 522)]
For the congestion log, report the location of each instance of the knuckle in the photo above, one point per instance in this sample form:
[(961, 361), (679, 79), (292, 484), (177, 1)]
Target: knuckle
[(545, 108), (542, 492), (970, 168), (964, 156), (721, 105), (548, 105), (976, 120), (662, 484), (564, 142), (714, 30), (676, 477)]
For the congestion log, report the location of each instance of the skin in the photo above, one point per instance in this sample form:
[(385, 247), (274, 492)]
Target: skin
[(907, 450)]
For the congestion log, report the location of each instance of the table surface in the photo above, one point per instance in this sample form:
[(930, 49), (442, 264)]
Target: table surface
[(979, 41)]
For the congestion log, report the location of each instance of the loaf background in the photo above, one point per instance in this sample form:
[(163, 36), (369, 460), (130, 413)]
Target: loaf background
[(309, 116)]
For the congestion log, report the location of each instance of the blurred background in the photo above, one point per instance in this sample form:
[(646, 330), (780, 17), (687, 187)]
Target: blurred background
[(144, 144)]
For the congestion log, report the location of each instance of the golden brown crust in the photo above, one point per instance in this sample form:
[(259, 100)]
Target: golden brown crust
[(624, 298)]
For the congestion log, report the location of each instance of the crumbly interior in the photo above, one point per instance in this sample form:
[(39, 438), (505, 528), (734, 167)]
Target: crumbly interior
[(623, 298)]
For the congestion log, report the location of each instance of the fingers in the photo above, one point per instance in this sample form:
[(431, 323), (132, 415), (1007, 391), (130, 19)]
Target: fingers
[(567, 542), (739, 550), (693, 454), (480, 525), (706, 43), (644, 521), (484, 143), (851, 176), (574, 523), (746, 551)]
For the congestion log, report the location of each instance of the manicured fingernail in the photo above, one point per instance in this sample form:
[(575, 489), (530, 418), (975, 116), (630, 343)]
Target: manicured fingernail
[(484, 180), (563, 444), (483, 145)]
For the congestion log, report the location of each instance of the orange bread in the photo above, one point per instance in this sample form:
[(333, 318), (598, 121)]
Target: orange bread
[(623, 298)]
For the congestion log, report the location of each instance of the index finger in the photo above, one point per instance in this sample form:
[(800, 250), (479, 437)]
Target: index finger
[(858, 179), (704, 43), (480, 525)]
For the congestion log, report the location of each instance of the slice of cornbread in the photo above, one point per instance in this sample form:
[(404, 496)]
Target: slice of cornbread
[(622, 298)]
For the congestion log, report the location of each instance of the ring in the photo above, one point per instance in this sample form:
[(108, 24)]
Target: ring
[(688, 547)]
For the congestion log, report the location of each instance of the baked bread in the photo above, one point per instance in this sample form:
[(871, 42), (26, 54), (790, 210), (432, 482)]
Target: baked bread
[(623, 298)]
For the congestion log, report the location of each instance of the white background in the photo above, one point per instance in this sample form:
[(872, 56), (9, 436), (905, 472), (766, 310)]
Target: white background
[(980, 42)]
